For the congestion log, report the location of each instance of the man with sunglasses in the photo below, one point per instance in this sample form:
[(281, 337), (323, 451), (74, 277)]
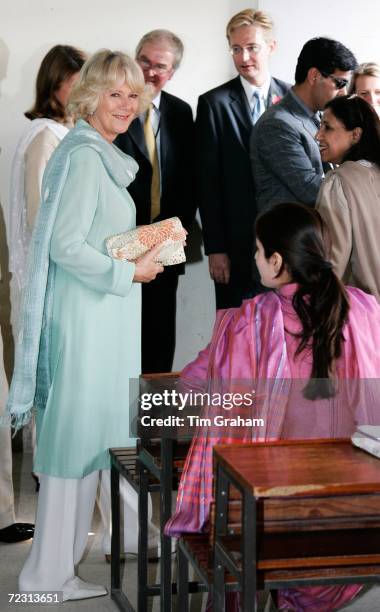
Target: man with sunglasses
[(285, 157)]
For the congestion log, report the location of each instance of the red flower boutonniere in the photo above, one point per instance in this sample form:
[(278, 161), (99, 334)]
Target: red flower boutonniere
[(275, 99)]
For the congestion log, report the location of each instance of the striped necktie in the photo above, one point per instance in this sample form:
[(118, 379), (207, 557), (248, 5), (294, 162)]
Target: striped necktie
[(259, 106), (150, 141), (316, 119)]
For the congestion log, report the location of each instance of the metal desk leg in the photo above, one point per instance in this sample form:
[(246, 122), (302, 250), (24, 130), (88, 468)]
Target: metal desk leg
[(221, 510), (166, 486), (249, 566), (117, 594), (142, 560), (218, 593), (222, 487), (182, 581), (115, 538)]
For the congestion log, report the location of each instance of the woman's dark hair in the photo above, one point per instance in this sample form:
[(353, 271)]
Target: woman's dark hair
[(354, 112), (297, 233), (60, 63)]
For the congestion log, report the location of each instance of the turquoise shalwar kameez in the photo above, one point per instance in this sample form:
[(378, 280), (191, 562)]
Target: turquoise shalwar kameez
[(95, 327), (78, 348)]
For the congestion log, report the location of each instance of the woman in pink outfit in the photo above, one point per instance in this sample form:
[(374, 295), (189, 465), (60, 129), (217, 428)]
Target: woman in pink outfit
[(304, 348)]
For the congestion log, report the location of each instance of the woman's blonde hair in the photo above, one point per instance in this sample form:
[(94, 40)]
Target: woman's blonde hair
[(102, 71), (366, 69)]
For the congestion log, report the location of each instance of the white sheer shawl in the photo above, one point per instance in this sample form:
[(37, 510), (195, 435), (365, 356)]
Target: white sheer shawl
[(18, 232)]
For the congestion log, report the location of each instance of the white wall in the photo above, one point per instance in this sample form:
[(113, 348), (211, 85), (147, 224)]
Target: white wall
[(29, 28), (355, 24)]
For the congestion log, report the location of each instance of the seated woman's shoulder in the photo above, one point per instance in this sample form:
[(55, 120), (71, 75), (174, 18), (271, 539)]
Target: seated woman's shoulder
[(242, 315), (261, 300)]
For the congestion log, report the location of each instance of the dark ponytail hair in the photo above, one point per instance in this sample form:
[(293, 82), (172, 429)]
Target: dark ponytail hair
[(297, 233)]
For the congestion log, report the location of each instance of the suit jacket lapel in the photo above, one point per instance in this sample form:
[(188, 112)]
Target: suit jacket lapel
[(164, 135), (310, 126), (136, 132), (240, 108), (306, 121), (274, 93)]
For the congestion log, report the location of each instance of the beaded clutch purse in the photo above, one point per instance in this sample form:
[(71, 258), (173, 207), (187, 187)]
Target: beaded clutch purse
[(134, 243)]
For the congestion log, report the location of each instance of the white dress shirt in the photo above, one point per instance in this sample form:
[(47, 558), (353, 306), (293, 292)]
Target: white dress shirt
[(250, 89)]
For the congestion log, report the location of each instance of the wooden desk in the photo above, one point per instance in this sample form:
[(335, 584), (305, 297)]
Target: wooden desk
[(310, 515)]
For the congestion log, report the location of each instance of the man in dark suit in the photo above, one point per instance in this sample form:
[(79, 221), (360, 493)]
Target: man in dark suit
[(163, 186), (225, 117)]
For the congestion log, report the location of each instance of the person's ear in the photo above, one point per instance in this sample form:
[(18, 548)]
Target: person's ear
[(356, 135), (272, 44), (276, 262), (312, 75)]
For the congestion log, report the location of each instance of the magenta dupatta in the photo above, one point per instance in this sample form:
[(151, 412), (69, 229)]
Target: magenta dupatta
[(246, 348), (250, 344)]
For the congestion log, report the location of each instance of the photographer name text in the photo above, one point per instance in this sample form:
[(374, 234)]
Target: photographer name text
[(197, 421)]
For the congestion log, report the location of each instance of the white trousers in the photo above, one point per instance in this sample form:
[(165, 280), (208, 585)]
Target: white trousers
[(7, 514), (64, 513)]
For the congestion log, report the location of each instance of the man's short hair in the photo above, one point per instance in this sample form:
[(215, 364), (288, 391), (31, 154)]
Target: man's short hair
[(157, 36), (326, 55), (250, 17)]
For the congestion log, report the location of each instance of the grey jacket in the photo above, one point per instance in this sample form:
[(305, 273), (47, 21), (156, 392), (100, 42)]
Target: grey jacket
[(285, 158)]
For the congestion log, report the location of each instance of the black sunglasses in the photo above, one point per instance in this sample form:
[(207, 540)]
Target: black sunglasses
[(338, 82)]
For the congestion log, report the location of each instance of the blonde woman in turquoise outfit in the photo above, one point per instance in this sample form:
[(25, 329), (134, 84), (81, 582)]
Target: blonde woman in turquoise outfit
[(80, 326)]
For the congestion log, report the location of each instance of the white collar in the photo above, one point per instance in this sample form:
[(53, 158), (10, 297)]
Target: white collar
[(156, 101), (250, 89)]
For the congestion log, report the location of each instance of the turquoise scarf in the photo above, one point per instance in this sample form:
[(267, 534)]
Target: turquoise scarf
[(31, 379)]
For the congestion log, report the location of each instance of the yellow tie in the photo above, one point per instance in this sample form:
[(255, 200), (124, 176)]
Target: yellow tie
[(150, 141)]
